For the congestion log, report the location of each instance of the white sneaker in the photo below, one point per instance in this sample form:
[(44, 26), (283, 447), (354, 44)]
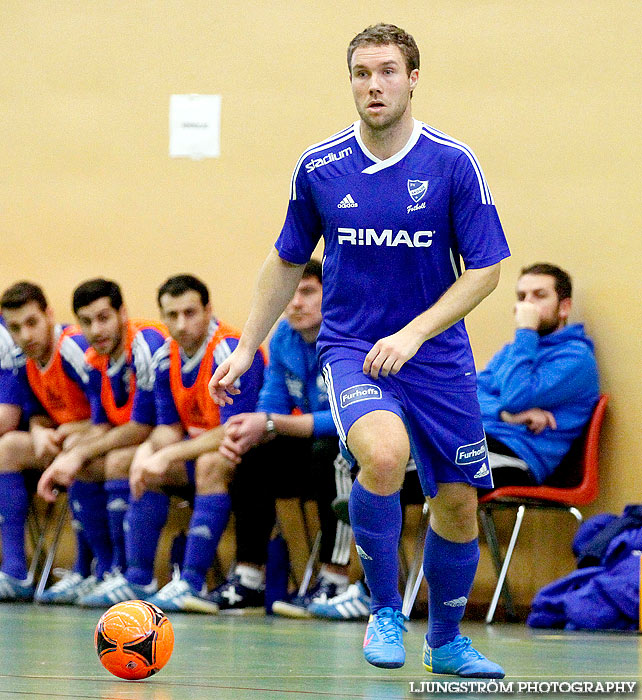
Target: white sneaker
[(352, 604), (179, 595), (69, 589), (115, 589), (13, 589)]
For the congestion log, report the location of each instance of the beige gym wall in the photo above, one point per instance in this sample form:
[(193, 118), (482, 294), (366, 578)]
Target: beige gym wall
[(547, 94)]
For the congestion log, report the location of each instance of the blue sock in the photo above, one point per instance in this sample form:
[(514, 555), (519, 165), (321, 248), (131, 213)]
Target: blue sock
[(84, 555), (449, 568), (117, 504), (211, 513), (14, 505), (376, 523), (89, 506), (143, 524)]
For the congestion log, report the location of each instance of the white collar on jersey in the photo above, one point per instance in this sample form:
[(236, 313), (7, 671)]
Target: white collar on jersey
[(382, 164)]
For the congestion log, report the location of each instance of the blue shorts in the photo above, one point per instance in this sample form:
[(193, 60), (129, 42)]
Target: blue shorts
[(444, 426)]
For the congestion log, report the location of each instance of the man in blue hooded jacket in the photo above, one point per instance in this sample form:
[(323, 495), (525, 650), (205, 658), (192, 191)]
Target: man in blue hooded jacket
[(538, 392)]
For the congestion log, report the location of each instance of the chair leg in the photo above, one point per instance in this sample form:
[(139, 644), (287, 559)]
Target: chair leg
[(488, 526), (416, 569), (46, 569), (507, 559), (309, 567)]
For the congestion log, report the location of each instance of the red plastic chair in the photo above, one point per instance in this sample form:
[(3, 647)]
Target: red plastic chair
[(579, 470)]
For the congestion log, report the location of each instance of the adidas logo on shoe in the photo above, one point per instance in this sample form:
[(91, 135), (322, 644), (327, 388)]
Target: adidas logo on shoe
[(482, 471), (347, 203)]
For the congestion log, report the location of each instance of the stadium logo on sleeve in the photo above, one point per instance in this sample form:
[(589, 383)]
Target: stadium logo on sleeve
[(469, 454), (417, 189), (359, 392)]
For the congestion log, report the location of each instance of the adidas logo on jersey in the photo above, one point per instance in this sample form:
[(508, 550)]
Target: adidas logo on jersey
[(482, 471), (347, 202)]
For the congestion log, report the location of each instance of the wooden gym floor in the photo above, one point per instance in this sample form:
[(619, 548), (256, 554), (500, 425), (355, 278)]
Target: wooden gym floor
[(47, 652)]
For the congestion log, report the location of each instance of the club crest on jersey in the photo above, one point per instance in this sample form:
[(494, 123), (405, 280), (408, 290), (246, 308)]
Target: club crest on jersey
[(417, 189)]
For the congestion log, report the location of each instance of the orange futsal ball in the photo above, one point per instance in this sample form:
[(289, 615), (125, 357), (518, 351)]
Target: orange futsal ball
[(134, 639)]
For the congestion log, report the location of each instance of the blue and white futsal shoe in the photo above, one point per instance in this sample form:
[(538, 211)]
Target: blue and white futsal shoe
[(459, 658), (299, 606), (352, 604), (14, 590), (68, 589), (115, 589), (383, 642), (180, 596)]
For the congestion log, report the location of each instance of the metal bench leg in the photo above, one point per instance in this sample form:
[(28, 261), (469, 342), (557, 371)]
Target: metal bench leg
[(507, 559), (416, 569)]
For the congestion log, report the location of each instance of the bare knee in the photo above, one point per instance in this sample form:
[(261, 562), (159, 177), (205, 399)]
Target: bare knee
[(380, 444), (213, 473), (16, 449), (453, 512)]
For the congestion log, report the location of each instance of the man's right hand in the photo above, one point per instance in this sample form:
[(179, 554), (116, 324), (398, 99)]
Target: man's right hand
[(535, 419), (146, 473), (61, 472), (526, 315), (222, 384)]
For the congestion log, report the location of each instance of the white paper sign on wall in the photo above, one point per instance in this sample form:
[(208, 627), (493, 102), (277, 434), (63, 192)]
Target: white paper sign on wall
[(195, 126)]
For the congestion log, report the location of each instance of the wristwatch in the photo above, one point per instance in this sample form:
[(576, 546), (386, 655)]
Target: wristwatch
[(270, 428)]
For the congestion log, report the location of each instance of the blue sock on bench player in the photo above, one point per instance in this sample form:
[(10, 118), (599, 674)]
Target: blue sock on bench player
[(117, 504), (209, 520), (14, 505), (145, 519), (88, 501)]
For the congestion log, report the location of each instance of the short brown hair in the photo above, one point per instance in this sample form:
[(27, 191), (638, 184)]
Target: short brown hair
[(382, 34), (563, 282), (22, 293)]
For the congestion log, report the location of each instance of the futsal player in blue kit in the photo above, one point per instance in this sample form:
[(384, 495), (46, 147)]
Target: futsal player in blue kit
[(398, 204)]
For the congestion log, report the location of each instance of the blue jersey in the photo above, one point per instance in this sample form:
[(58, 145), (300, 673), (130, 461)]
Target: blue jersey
[(293, 381), (394, 232), (11, 359)]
